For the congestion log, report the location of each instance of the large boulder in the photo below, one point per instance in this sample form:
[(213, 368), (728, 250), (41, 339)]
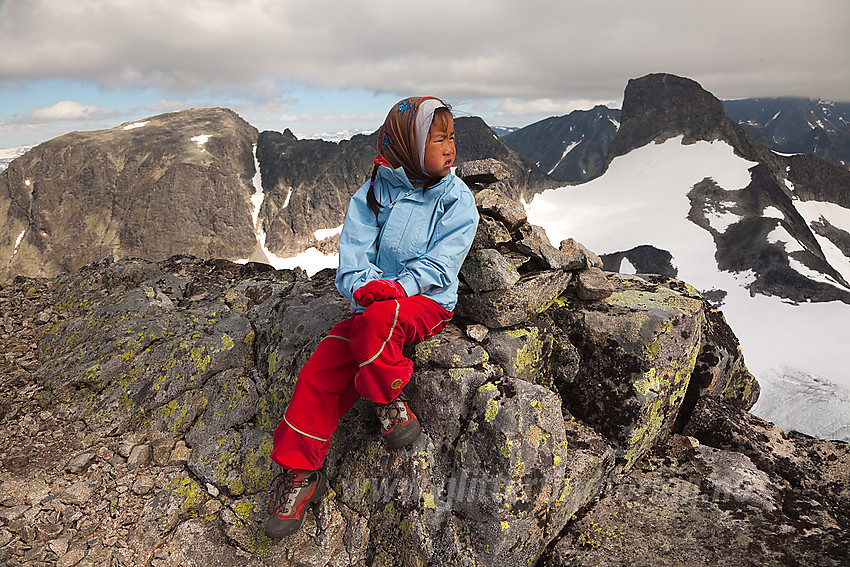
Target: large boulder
[(638, 349)]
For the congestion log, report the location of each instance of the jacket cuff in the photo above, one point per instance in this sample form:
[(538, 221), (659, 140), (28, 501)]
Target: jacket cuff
[(409, 284)]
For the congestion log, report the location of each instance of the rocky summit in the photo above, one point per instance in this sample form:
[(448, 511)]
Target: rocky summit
[(571, 417)]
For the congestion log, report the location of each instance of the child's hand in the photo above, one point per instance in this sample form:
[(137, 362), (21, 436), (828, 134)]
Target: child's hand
[(378, 290)]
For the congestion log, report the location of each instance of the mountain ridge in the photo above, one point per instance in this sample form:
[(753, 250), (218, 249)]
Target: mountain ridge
[(786, 125)]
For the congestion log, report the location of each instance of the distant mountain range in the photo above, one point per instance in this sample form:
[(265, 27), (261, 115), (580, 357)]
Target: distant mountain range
[(797, 125), (201, 182), (569, 148), (573, 148), (188, 182)]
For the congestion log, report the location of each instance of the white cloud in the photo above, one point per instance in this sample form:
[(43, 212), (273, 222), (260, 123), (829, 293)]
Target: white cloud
[(510, 63), (546, 106), (66, 110)]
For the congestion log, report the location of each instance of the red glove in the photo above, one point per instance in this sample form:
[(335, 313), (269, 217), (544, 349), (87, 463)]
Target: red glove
[(378, 290)]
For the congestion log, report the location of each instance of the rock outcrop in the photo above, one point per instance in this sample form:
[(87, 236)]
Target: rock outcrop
[(733, 490), (138, 431), (170, 184)]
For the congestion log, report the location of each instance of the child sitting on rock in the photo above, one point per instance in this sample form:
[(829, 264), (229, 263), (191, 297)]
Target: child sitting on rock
[(406, 234)]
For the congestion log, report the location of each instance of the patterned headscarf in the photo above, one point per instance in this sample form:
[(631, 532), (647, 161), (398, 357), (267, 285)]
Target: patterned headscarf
[(401, 140)]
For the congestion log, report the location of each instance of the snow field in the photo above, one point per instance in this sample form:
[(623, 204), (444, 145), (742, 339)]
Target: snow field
[(795, 351)]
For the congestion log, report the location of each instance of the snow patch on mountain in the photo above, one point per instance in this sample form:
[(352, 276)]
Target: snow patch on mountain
[(135, 125), (720, 218), (771, 212), (310, 260), (642, 199), (815, 212), (202, 139), (17, 244), (325, 233), (567, 150)]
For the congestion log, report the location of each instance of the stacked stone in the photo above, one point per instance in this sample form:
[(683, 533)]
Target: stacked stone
[(513, 272)]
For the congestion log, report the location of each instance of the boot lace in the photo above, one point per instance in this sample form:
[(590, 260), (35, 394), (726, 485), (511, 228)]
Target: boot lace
[(284, 488), (392, 413)]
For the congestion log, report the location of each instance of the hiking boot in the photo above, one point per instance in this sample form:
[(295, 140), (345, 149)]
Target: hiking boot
[(292, 491), (399, 427)]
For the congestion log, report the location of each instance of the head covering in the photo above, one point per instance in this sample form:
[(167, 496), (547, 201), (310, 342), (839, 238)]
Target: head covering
[(401, 139)]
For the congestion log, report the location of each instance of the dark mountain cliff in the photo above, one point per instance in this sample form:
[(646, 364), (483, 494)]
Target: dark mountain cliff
[(570, 148), (146, 189), (307, 183)]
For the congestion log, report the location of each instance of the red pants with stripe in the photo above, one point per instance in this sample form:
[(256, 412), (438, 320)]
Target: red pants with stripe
[(361, 356)]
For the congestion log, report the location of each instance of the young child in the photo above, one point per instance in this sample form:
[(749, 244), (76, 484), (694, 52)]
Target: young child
[(406, 234)]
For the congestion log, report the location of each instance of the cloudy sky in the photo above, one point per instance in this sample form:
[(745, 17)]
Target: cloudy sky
[(322, 66)]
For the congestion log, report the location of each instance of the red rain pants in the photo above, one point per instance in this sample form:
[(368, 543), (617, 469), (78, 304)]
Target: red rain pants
[(361, 356)]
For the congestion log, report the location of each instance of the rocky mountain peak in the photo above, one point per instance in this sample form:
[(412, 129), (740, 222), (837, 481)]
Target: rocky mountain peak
[(660, 106), (167, 184)]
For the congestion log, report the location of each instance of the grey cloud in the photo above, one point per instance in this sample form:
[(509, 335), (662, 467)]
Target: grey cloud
[(474, 49)]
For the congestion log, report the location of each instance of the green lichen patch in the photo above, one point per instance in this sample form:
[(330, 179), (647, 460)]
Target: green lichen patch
[(188, 492)]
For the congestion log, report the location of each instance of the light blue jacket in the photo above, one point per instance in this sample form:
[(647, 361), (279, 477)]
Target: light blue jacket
[(419, 240)]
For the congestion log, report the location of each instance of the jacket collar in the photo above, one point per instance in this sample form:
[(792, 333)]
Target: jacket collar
[(398, 178)]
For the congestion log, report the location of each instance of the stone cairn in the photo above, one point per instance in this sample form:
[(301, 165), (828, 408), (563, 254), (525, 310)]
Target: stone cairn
[(513, 269)]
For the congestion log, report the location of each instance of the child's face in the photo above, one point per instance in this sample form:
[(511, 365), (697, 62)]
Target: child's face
[(440, 148)]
